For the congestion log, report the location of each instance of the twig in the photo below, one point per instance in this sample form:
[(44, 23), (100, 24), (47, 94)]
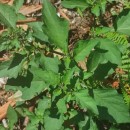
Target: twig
[(28, 20), (63, 14), (25, 10)]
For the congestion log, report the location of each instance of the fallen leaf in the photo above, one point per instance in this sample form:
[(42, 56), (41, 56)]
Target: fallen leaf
[(4, 108)]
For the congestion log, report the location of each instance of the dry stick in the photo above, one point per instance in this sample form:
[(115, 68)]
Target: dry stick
[(25, 10), (28, 20), (63, 14), (20, 23)]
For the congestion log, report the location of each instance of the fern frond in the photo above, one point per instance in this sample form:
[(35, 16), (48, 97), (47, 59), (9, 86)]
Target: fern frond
[(114, 36), (126, 97), (117, 37), (126, 64)]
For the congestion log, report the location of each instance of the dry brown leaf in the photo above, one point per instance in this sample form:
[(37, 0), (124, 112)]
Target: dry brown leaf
[(4, 108)]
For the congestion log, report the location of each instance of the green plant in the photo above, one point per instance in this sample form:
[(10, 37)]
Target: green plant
[(64, 95), (97, 7)]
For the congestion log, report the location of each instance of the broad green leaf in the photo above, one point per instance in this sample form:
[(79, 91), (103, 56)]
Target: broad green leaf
[(52, 123), (12, 117), (96, 58), (86, 75), (75, 116), (20, 81), (17, 4), (72, 114), (68, 76), (36, 87), (12, 68), (34, 120), (7, 15), (31, 127), (101, 30), (2, 127), (123, 25), (112, 53), (20, 17), (50, 64), (74, 4), (96, 10), (83, 125), (83, 49), (111, 106), (56, 93), (103, 6), (104, 70), (54, 27), (87, 124), (48, 77), (86, 101), (37, 31), (61, 106), (67, 61), (113, 128), (93, 125), (43, 104), (105, 51)]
